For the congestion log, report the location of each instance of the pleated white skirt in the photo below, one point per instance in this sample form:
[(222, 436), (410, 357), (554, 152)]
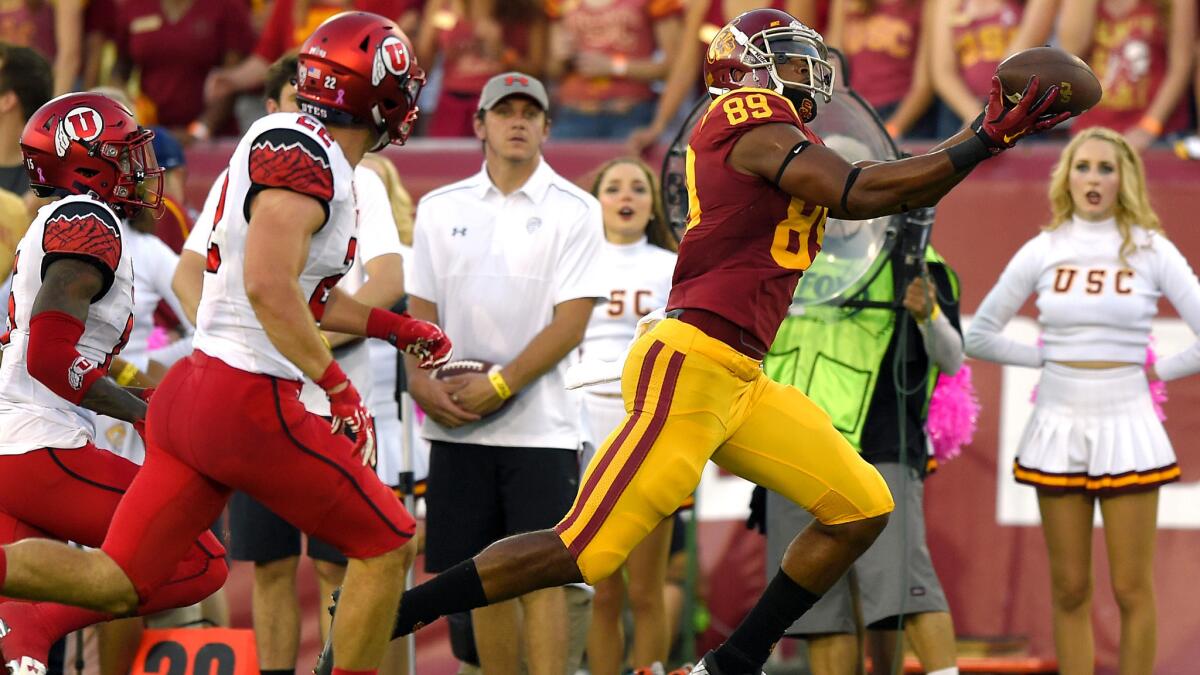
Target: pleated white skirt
[(1094, 431)]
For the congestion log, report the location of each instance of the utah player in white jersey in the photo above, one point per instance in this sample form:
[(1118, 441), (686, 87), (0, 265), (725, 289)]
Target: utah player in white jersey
[(70, 313), (638, 259), (1099, 271), (228, 417)]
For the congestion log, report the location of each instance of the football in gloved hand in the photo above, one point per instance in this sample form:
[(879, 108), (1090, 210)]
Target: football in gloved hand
[(1079, 89)]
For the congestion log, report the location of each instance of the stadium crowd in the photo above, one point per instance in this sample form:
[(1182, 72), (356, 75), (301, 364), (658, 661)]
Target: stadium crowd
[(618, 70)]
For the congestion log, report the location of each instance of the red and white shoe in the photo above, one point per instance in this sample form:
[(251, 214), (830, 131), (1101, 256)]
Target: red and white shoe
[(22, 641)]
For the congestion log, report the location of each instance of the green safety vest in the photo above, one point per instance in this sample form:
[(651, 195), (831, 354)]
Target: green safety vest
[(835, 354)]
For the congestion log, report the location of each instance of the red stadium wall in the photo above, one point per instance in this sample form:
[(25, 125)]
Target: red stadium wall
[(995, 576)]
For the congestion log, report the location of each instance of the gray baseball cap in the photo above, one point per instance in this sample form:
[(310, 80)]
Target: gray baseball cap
[(504, 85)]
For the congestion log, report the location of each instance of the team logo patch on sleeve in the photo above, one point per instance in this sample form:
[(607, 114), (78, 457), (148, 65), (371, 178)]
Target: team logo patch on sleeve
[(283, 158), (81, 124), (80, 228)]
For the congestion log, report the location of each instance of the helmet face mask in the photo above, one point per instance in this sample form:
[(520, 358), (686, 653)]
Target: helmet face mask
[(786, 45)]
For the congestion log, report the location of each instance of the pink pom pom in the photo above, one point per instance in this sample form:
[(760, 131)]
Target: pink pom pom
[(1158, 388), (158, 339), (953, 414)]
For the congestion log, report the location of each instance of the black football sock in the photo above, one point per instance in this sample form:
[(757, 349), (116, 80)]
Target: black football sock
[(458, 589), (745, 652)]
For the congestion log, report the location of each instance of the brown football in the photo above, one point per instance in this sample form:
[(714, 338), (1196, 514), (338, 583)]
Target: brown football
[(1078, 87), (466, 367)]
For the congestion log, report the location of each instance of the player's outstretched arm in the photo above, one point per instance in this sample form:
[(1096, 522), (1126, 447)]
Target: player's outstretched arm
[(818, 175), (60, 313)]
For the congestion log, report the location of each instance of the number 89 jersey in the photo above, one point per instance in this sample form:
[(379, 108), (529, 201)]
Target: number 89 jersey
[(293, 152), (747, 241), (79, 227)]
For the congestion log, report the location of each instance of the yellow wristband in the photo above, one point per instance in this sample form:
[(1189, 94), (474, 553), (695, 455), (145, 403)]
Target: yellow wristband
[(499, 384), (126, 375), (933, 315)]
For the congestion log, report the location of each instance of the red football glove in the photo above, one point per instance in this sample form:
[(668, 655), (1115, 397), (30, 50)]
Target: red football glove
[(347, 410), (999, 128), (419, 338)]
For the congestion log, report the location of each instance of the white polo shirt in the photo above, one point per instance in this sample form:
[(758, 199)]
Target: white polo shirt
[(496, 266)]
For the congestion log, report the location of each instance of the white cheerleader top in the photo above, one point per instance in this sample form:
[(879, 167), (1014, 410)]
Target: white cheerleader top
[(1091, 305)]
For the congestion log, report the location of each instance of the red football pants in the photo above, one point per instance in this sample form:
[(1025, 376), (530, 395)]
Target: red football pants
[(71, 495), (212, 429)]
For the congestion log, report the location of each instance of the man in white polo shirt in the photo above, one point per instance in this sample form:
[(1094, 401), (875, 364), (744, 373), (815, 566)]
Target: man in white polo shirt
[(505, 260)]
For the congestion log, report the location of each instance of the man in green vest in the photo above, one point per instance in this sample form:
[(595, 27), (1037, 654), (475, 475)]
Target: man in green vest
[(870, 367)]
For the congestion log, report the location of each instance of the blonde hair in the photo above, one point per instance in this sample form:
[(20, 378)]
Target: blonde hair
[(1133, 201), (398, 197)]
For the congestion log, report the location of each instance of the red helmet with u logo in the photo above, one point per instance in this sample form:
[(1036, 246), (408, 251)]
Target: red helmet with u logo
[(358, 69), (90, 144)]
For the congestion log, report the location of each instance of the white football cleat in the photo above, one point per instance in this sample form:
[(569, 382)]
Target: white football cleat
[(26, 666)]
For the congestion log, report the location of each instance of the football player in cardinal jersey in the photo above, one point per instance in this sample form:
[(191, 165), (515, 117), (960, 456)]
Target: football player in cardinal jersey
[(760, 185), (70, 312), (228, 417)]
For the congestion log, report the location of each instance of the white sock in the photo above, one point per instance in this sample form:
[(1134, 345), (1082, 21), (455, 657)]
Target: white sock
[(953, 670)]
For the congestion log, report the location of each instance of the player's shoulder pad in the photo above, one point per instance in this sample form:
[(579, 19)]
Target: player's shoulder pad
[(84, 228), (285, 153), (735, 112)]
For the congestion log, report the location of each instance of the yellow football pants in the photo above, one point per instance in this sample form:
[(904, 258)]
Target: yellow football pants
[(690, 398)]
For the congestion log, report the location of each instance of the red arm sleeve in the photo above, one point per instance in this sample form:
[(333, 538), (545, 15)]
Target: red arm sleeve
[(53, 360)]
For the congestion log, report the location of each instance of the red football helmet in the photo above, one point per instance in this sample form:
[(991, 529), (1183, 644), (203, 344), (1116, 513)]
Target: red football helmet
[(749, 49), (358, 69), (88, 143)]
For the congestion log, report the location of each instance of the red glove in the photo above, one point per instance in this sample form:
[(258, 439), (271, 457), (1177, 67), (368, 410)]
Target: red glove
[(999, 128), (419, 338), (347, 410)]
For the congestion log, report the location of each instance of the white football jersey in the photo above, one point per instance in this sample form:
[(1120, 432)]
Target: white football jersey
[(639, 280), (293, 152), (32, 416)]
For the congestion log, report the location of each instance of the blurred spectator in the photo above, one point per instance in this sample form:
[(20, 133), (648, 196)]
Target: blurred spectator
[(702, 19), (171, 44), (886, 43), (54, 29), (477, 39), (605, 54), (1142, 51), (970, 37), (288, 25), (25, 84)]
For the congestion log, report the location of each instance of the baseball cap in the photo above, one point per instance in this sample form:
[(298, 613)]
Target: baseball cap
[(167, 149), (512, 84)]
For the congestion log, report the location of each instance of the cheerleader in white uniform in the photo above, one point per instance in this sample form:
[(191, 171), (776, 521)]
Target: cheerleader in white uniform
[(1098, 271), (638, 259)]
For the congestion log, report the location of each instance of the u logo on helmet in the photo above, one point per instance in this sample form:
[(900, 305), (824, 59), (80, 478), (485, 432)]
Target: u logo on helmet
[(81, 124), (391, 57)]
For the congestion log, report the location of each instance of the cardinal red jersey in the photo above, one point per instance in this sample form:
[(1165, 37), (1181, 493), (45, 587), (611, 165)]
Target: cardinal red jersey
[(747, 241)]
